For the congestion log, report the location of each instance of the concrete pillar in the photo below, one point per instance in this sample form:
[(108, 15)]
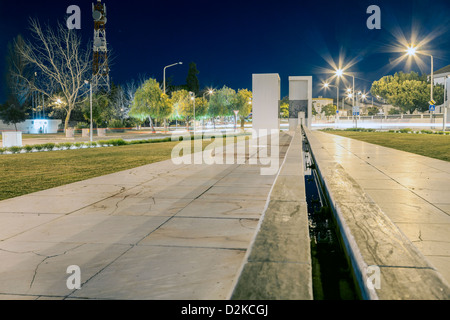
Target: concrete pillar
[(301, 118), (266, 102), (300, 96)]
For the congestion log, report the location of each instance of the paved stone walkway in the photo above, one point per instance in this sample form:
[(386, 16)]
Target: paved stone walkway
[(412, 190), (161, 231)]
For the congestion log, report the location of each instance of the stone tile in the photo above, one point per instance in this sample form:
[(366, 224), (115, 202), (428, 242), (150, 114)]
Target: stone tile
[(132, 206), (9, 297), (418, 212), (94, 229), (12, 224), (166, 273), (237, 193), (204, 232), (426, 231), (381, 184), (48, 204), (40, 268), (247, 209)]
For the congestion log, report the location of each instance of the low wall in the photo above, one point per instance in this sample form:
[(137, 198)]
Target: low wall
[(278, 265)]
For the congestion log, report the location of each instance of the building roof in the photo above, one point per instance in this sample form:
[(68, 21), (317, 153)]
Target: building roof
[(443, 70)]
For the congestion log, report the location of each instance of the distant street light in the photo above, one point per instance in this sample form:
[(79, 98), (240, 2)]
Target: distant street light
[(327, 85), (192, 94), (172, 65), (91, 128), (412, 51), (340, 73)]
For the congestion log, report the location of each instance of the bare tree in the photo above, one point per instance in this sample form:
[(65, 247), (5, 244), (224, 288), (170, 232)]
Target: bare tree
[(17, 70), (60, 63)]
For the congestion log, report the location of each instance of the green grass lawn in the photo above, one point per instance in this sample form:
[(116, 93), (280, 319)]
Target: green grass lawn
[(429, 145), (27, 173)]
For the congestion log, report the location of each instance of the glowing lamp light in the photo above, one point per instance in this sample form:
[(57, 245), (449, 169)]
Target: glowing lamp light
[(411, 51), (339, 72)]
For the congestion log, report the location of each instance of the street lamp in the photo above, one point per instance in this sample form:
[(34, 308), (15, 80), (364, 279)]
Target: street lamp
[(412, 51), (172, 65), (192, 94), (327, 85), (90, 94), (340, 73)]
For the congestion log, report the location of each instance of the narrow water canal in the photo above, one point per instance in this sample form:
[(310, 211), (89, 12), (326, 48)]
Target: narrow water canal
[(332, 274)]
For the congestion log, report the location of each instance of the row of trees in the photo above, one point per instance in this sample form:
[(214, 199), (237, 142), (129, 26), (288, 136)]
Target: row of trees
[(54, 66), (151, 103)]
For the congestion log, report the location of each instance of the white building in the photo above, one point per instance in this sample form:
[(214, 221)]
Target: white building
[(441, 74), (43, 126)]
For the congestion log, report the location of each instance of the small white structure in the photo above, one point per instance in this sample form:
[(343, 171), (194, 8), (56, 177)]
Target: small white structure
[(12, 139), (266, 101), (300, 100), (38, 126)]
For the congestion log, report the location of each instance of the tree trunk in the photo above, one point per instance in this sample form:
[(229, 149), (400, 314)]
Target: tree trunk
[(214, 123), (165, 125), (151, 125), (66, 123)]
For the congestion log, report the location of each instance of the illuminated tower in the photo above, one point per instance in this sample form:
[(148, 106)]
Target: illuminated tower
[(100, 66)]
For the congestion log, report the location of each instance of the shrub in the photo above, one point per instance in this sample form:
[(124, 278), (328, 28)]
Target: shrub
[(2, 150), (15, 149), (38, 147), (117, 142), (78, 144), (103, 143), (28, 148), (406, 130), (49, 146), (116, 126), (64, 145), (82, 125)]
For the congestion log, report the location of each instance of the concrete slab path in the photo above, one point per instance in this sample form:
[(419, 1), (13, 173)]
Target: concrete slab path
[(157, 232), (412, 190)]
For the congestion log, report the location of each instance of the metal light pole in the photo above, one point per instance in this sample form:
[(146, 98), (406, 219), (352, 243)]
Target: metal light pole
[(340, 73), (91, 128), (192, 94), (412, 51), (326, 85), (445, 104), (175, 64)]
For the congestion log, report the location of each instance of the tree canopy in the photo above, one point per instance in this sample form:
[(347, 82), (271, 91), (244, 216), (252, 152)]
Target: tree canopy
[(407, 91)]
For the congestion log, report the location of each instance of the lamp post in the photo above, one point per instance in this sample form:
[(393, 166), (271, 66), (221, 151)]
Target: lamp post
[(192, 94), (340, 73), (412, 51), (172, 65), (91, 128), (327, 85)]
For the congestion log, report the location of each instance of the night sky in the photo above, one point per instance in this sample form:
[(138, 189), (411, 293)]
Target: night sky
[(230, 40)]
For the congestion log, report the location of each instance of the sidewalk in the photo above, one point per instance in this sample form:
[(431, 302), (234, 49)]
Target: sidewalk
[(162, 232), (410, 189)]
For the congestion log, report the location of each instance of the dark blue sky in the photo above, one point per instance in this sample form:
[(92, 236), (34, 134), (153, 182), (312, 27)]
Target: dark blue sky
[(231, 40)]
